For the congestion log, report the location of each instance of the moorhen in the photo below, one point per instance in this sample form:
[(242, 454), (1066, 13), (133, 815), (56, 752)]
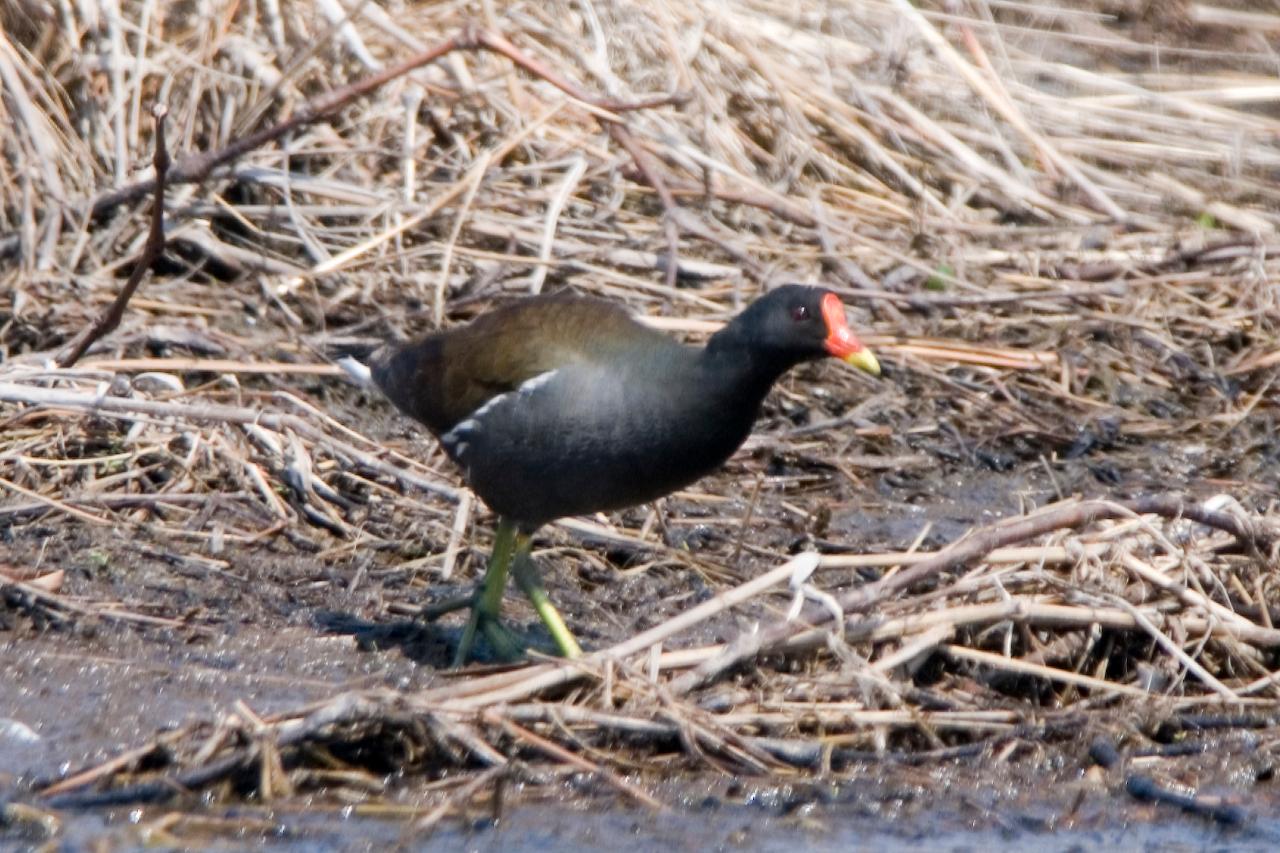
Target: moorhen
[(564, 405)]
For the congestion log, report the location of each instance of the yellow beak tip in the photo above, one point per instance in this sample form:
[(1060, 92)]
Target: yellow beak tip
[(864, 359)]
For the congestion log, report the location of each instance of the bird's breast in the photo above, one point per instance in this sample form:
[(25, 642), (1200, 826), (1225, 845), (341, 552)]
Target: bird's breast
[(582, 439)]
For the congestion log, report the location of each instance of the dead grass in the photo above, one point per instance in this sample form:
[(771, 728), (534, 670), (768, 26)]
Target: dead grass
[(1058, 227)]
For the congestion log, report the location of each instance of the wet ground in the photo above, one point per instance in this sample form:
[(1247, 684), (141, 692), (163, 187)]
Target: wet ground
[(267, 627), (278, 630), (556, 827), (81, 709)]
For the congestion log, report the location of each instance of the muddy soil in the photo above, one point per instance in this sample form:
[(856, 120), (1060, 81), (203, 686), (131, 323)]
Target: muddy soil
[(919, 814), (278, 630)]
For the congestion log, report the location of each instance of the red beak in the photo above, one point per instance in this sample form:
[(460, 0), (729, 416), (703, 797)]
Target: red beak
[(841, 342)]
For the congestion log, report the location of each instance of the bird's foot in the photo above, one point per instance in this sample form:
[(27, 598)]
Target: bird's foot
[(503, 642), (504, 645)]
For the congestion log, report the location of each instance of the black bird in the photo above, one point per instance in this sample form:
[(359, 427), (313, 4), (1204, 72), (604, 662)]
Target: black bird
[(564, 405)]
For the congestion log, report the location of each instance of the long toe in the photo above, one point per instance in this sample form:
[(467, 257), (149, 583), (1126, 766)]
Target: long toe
[(468, 639), (503, 643)]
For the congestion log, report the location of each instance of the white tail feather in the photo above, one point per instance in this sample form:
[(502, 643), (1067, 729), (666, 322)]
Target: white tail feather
[(357, 370)]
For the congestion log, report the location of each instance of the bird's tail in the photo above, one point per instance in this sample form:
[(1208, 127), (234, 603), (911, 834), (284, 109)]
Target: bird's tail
[(355, 356)]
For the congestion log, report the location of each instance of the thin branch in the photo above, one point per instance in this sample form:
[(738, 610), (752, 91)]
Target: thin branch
[(750, 645), (197, 167), (151, 252)]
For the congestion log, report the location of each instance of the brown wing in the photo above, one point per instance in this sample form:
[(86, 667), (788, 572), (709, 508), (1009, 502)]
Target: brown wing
[(446, 376)]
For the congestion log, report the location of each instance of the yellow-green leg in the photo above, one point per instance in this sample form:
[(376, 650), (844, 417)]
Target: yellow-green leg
[(511, 555), (488, 603), (526, 573)]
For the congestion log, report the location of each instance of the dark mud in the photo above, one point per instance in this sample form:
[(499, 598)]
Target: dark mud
[(278, 630), (903, 809)]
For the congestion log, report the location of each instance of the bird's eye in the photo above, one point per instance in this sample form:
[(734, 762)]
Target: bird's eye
[(800, 313)]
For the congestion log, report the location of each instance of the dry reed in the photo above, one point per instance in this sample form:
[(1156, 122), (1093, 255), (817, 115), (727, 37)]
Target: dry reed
[(1062, 247)]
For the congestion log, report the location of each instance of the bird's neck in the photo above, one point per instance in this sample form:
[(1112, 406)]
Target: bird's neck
[(741, 368)]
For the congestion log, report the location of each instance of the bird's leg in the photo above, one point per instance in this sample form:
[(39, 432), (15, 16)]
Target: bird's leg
[(432, 612), (488, 601), (526, 572)]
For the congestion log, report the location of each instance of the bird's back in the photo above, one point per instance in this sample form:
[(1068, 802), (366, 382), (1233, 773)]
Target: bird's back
[(445, 377)]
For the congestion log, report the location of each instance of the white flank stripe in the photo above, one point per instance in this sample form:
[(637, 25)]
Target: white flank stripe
[(473, 423), (531, 385)]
